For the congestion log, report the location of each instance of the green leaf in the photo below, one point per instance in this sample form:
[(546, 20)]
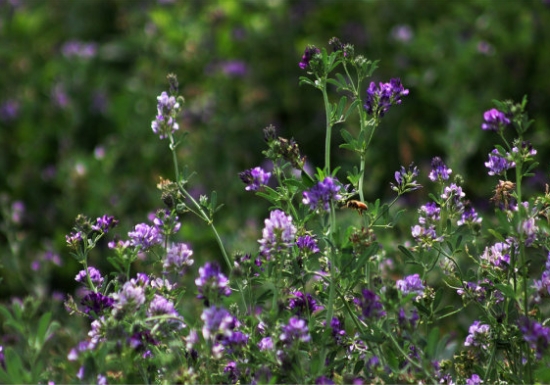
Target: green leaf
[(406, 252), (433, 339), (42, 329), (14, 367), (497, 235)]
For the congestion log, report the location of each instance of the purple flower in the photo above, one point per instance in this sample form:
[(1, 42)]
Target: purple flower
[(104, 223), (469, 217), (218, 322), (407, 322), (320, 195), (295, 331), (494, 120), (300, 303), (439, 171), (406, 180), (232, 372), (165, 121), (178, 258), (529, 229), (429, 213), (370, 305), (309, 53), (380, 99), (254, 178), (74, 48), (9, 110), (474, 380), (130, 297), (473, 290), (536, 335), (95, 276), (323, 380), (337, 329), (161, 306), (266, 343), (411, 284), (498, 255), (278, 234), (453, 195), (145, 236), (140, 341), (497, 163), (308, 243), (167, 223), (211, 282), (234, 68), (96, 303), (478, 335)]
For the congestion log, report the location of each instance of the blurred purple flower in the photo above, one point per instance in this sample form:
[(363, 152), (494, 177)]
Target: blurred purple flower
[(144, 236), (211, 281), (411, 284), (494, 120), (9, 110), (234, 68), (303, 303), (309, 53), (165, 122), (478, 335), (178, 258), (75, 48), (95, 276), (96, 303), (370, 304), (439, 171), (295, 331), (308, 243), (402, 33), (536, 335), (218, 322), (497, 163), (104, 223)]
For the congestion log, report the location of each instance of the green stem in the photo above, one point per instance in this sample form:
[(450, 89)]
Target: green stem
[(328, 123)]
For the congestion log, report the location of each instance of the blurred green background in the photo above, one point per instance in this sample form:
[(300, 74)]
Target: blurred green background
[(78, 91)]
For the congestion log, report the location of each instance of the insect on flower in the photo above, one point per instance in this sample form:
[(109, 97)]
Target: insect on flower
[(357, 205)]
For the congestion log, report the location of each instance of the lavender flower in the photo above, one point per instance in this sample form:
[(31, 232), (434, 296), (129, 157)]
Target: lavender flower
[(530, 230), (266, 343), (439, 171), (407, 322), (453, 195), (295, 331), (370, 305), (278, 234), (130, 297), (497, 255), (211, 282), (308, 55), (145, 236), (218, 322), (167, 223), (473, 290), (178, 258), (165, 122), (338, 331), (474, 380), (161, 306), (307, 243), (254, 178), (498, 163), (320, 195), (380, 99), (406, 180), (105, 223), (536, 335), (323, 380), (411, 284), (494, 120), (95, 276), (478, 335), (9, 110), (74, 48), (469, 217)]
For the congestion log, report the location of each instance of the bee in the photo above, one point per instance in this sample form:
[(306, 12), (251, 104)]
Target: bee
[(357, 205)]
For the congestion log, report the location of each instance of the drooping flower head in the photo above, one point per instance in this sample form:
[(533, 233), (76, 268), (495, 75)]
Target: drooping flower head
[(254, 178), (439, 171), (278, 234), (321, 194), (380, 98), (494, 120)]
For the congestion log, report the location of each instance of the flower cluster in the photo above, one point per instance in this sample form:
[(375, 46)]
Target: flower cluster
[(494, 120), (370, 305), (498, 163), (498, 255), (165, 122), (440, 171), (211, 282), (406, 180), (294, 332), (380, 98), (424, 232), (254, 178), (319, 196), (308, 55), (478, 335), (278, 234), (411, 284), (178, 258), (145, 236)]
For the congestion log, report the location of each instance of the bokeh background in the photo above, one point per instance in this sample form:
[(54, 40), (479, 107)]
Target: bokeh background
[(78, 87)]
